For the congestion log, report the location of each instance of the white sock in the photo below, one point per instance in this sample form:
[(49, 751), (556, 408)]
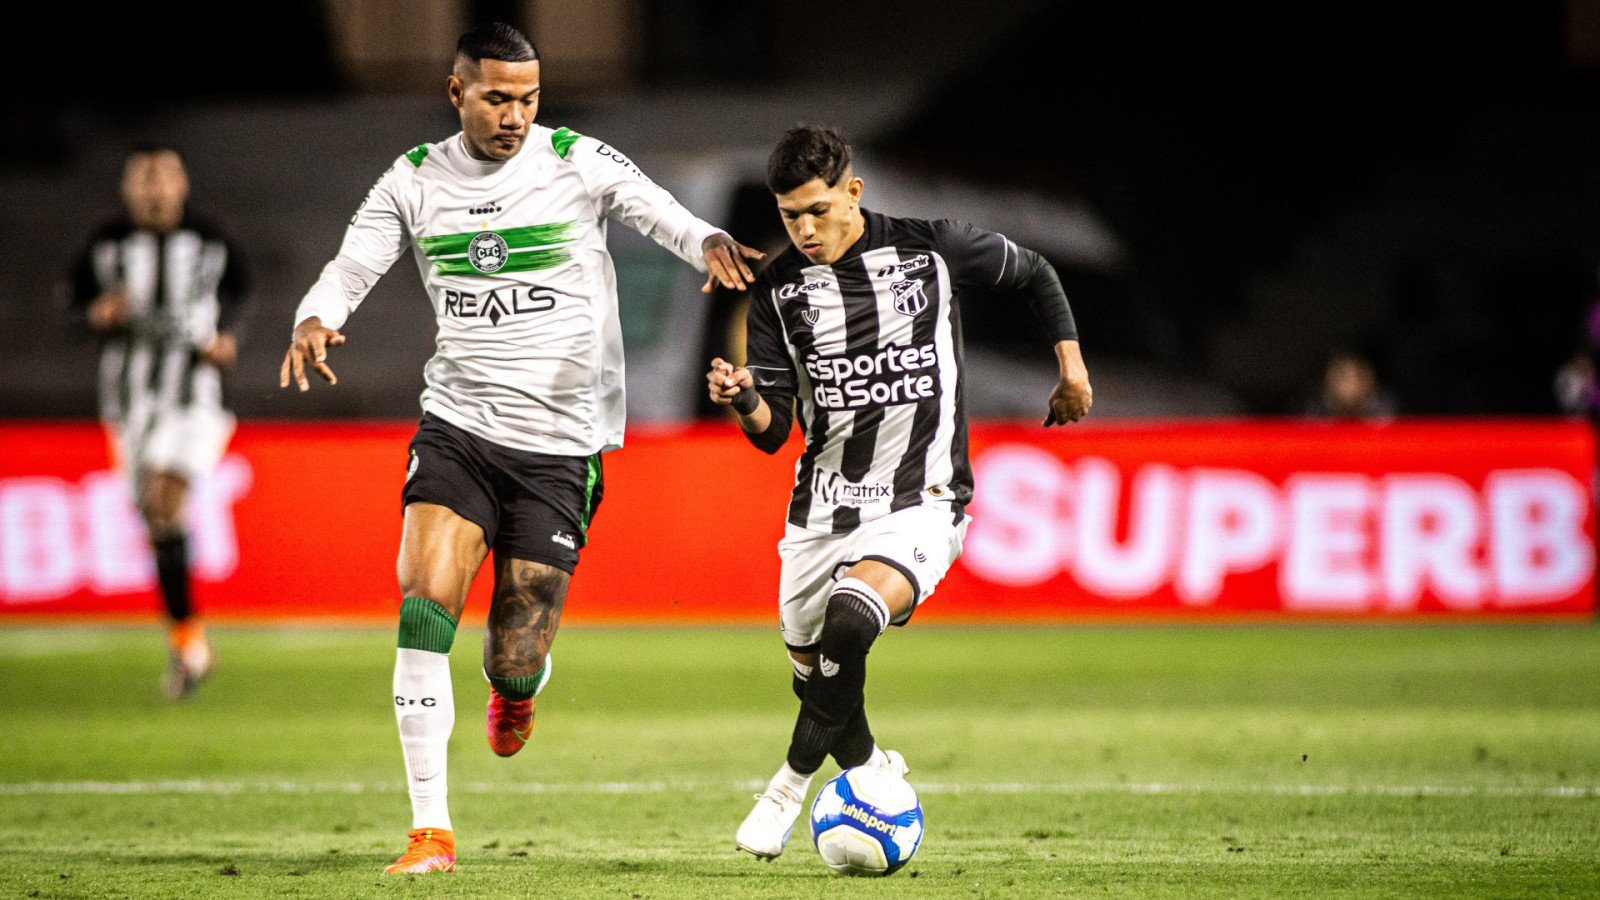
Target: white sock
[(425, 709), (791, 779)]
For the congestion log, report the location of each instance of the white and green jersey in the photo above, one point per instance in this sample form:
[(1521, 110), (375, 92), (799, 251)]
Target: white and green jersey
[(513, 256)]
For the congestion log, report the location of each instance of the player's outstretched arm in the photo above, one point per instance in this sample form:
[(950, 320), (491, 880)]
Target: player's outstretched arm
[(1072, 397), (725, 263), (309, 346)]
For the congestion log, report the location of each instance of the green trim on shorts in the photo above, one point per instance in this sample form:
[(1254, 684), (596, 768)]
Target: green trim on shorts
[(425, 625), (588, 491)]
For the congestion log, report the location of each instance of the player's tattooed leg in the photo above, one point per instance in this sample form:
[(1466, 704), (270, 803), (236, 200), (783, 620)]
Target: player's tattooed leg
[(523, 617)]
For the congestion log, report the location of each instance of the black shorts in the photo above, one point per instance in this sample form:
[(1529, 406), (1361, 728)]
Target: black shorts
[(531, 506)]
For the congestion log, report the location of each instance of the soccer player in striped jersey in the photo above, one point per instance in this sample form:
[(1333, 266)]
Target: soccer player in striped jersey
[(165, 290), (506, 221), (856, 330)]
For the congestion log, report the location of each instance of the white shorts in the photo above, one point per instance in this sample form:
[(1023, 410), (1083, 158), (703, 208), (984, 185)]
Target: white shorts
[(922, 542), (189, 442)]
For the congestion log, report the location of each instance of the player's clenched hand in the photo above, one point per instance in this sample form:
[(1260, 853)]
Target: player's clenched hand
[(1070, 401), (726, 382), (309, 346), (725, 261), (1073, 396)]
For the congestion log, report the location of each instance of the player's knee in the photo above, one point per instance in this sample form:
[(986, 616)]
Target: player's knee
[(432, 586), (856, 615)]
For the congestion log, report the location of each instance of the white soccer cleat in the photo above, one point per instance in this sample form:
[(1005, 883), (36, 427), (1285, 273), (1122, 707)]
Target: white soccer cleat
[(764, 832)]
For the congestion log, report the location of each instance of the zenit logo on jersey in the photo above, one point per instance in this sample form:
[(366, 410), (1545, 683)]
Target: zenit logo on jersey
[(792, 290), (891, 376), (479, 253), (910, 265)]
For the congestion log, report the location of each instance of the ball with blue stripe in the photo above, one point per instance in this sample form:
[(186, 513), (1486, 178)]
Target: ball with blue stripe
[(866, 821)]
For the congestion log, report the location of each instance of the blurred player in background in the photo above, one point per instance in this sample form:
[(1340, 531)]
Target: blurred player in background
[(1350, 390), (506, 220), (165, 291), (857, 326)]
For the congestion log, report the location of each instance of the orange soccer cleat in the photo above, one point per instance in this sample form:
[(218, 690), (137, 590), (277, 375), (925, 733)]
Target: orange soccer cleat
[(191, 659), (430, 850), (509, 723)]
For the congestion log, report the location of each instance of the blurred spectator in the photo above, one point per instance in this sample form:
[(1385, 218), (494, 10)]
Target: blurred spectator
[(1350, 391), (1575, 382)]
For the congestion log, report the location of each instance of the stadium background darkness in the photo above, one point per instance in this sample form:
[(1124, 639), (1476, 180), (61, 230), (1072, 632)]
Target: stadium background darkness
[(1423, 185)]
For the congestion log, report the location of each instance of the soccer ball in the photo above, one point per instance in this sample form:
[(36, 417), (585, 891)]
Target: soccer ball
[(866, 821)]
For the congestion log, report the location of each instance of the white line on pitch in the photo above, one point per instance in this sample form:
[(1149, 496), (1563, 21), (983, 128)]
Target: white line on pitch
[(289, 786)]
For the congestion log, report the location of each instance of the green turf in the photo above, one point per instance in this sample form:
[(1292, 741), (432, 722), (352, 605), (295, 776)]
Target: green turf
[(1137, 762)]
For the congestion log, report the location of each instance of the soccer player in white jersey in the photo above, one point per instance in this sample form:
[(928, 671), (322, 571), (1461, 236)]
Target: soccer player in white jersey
[(506, 221), (856, 330), (165, 290)]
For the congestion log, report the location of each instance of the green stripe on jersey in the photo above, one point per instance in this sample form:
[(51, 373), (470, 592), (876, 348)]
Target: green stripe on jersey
[(515, 238), (418, 155), (563, 139), (525, 261)]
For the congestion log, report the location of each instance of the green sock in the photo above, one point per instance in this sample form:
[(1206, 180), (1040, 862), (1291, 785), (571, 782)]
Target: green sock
[(424, 625), (524, 687)]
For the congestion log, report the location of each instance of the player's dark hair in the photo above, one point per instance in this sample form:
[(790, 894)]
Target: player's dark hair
[(150, 148), (498, 41), (807, 152)]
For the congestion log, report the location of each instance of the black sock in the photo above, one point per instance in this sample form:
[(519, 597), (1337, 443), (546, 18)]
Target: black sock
[(834, 692), (172, 571), (854, 745)]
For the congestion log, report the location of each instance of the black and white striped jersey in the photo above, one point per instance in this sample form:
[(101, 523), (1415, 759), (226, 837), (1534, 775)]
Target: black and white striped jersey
[(184, 288), (869, 349)]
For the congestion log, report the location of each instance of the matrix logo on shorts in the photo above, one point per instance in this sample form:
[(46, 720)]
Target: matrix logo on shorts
[(892, 376), (834, 489)]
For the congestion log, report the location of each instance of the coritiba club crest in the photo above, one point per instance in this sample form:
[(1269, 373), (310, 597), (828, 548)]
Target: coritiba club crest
[(487, 252)]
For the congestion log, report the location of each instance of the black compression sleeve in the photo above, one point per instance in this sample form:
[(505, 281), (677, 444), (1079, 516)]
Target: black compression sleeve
[(777, 433), (1037, 279)]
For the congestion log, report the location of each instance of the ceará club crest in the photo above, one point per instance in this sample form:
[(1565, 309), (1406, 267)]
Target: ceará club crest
[(909, 298)]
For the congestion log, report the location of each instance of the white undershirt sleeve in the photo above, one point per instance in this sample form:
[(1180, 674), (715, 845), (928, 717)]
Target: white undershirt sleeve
[(626, 194)]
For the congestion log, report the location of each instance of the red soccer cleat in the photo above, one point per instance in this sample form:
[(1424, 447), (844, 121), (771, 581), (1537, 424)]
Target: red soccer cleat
[(509, 723), (429, 850)]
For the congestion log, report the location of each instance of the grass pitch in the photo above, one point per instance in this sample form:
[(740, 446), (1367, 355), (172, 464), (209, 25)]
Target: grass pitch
[(1144, 762)]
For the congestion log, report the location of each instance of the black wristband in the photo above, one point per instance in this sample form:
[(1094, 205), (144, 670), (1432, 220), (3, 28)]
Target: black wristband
[(746, 402)]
